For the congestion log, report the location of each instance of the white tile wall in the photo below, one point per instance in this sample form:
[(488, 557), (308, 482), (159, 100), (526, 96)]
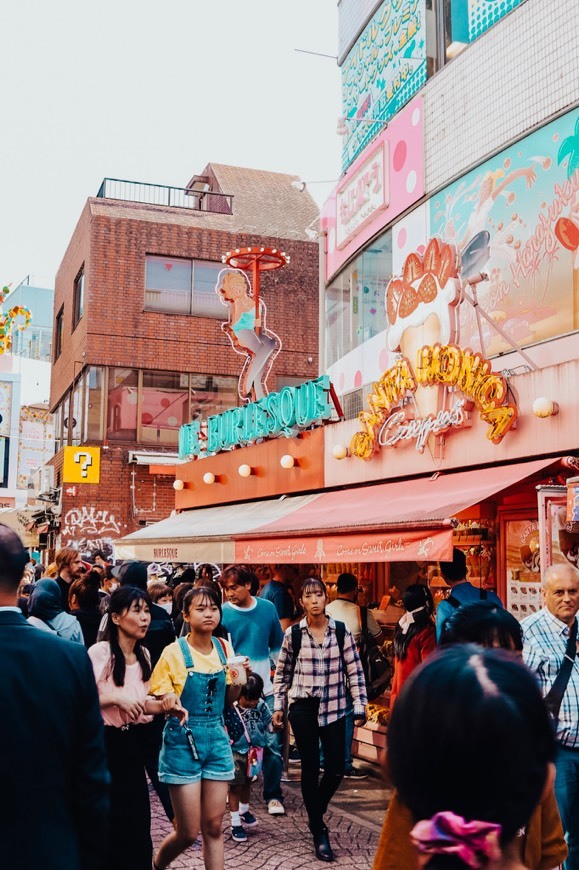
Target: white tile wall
[(516, 76)]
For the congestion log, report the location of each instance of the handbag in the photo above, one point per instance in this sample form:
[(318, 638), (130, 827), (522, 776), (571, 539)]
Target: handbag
[(377, 668), (254, 761)]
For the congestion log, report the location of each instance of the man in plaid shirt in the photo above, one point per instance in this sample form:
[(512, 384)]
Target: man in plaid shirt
[(545, 642), (313, 682)]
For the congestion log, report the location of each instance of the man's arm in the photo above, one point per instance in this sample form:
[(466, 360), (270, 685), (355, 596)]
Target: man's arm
[(443, 611), (276, 634), (90, 775)]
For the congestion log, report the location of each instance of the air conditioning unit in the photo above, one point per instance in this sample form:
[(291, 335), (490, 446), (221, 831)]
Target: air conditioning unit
[(43, 479)]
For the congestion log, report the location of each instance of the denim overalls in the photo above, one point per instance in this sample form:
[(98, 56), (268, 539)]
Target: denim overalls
[(204, 734)]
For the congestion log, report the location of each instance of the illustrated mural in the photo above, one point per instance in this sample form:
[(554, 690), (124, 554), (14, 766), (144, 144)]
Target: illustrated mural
[(248, 333), (8, 325), (35, 442), (517, 218), (482, 14), (384, 69)]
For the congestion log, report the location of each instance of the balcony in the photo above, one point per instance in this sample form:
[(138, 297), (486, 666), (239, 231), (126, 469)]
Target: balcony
[(162, 195)]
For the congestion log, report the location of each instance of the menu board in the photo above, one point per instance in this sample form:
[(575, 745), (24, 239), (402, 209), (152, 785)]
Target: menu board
[(523, 567)]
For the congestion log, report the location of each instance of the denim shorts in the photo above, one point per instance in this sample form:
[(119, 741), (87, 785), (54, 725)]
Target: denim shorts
[(177, 766)]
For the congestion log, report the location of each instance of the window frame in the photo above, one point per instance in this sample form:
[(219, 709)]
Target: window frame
[(78, 298), (58, 332), (191, 312)]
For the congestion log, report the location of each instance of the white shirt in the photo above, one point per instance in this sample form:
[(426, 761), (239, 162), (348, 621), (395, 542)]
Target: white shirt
[(349, 612)]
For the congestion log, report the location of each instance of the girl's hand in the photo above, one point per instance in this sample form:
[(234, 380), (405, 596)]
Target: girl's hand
[(172, 705), (133, 709), (277, 720), (247, 666)]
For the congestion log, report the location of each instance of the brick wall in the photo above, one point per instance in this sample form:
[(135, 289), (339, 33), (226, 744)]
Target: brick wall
[(115, 330)]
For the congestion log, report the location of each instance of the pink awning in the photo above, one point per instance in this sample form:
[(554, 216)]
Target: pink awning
[(358, 524)]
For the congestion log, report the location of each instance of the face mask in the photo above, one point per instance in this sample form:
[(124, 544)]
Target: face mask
[(168, 606), (113, 586)]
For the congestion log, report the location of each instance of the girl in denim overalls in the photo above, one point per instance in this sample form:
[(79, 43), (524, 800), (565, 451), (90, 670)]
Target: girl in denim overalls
[(196, 760)]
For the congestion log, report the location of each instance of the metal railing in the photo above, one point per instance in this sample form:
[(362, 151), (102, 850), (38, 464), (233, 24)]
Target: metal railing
[(161, 194)]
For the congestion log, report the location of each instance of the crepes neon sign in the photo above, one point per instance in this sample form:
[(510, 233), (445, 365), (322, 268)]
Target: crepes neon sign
[(436, 365), (284, 413)]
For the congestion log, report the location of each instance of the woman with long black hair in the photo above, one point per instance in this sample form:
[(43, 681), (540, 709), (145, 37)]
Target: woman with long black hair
[(414, 636), (122, 668)]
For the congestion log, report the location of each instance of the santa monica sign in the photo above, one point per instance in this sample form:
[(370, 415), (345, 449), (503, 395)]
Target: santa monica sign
[(436, 365)]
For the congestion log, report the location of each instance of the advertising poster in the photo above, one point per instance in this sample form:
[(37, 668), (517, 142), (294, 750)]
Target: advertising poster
[(516, 218), (383, 70), (5, 408), (35, 444), (523, 567)]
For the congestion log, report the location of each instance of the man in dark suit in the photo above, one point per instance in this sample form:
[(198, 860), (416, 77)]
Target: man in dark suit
[(53, 772)]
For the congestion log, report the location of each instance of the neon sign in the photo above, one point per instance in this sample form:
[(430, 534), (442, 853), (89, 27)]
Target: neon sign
[(446, 365), (283, 413)]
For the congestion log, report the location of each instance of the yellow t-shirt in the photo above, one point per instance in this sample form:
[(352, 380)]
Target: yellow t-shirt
[(170, 673)]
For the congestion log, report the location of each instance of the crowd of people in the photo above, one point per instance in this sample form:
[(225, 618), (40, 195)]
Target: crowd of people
[(116, 675)]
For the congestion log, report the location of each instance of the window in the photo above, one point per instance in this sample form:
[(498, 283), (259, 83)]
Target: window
[(93, 414), (78, 298), (164, 406), (179, 286), (122, 405), (58, 333), (212, 394), (355, 310)]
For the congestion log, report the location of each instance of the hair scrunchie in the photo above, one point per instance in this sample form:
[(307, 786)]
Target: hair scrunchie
[(445, 833)]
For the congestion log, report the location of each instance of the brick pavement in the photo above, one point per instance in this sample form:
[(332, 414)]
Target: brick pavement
[(284, 842)]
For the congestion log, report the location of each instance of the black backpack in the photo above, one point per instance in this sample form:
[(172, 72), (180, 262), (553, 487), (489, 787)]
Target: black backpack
[(377, 668), (340, 637)]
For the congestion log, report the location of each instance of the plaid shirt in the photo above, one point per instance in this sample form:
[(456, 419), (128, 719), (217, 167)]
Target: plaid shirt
[(543, 651), (318, 672)]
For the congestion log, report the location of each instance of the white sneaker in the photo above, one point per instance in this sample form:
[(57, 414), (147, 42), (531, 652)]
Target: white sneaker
[(275, 807)]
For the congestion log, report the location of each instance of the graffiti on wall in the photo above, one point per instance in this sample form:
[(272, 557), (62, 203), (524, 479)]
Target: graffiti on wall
[(384, 69), (89, 529)]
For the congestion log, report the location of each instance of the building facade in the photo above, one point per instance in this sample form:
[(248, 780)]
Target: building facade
[(139, 344)]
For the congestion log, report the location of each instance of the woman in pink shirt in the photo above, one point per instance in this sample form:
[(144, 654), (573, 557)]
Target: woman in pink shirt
[(122, 670)]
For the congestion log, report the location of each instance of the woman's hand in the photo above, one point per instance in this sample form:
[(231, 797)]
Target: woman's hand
[(277, 720), (247, 666), (360, 721), (133, 709), (173, 706)]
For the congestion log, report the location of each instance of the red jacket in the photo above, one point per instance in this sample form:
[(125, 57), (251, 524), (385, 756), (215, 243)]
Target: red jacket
[(419, 648)]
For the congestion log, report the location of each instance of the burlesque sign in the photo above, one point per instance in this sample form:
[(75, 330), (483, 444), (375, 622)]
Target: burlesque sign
[(284, 413)]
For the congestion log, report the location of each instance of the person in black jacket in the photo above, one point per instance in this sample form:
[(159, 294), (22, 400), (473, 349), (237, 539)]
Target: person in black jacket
[(84, 602), (49, 705)]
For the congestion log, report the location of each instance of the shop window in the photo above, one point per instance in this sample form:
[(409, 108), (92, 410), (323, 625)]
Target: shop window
[(78, 298), (178, 286), (58, 428), (355, 309), (77, 406), (164, 406), (93, 411), (212, 394), (122, 404), (4, 461), (58, 333)]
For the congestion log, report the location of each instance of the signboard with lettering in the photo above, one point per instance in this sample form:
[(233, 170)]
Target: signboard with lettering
[(397, 546), (363, 194), (283, 413)]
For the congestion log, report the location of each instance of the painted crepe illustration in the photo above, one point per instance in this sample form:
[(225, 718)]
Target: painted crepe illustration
[(422, 309)]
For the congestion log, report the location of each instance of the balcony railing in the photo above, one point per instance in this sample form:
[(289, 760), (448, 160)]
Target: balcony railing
[(161, 194)]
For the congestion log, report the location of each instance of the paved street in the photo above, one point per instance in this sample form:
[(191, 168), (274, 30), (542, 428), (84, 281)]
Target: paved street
[(284, 842)]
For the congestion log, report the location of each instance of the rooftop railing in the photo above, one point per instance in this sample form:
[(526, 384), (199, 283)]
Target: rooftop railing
[(162, 194)]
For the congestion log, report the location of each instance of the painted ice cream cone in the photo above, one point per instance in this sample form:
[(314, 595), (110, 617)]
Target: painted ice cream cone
[(412, 340)]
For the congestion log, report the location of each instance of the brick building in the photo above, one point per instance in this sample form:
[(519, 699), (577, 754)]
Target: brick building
[(138, 344)]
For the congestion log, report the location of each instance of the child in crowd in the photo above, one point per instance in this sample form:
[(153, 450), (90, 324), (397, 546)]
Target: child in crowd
[(247, 754), (196, 760)]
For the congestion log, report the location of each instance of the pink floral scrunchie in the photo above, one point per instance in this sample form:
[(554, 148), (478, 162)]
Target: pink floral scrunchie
[(475, 843)]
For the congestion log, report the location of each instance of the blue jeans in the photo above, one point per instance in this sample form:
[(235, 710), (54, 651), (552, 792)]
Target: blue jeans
[(567, 794), (272, 762)]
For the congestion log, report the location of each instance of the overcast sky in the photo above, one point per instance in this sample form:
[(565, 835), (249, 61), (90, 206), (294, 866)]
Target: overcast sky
[(153, 91)]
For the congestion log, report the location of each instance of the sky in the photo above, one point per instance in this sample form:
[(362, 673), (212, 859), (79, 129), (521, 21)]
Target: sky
[(151, 91)]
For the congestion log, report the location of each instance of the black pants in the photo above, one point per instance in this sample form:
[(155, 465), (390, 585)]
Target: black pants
[(130, 844), (316, 792), (151, 737)]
